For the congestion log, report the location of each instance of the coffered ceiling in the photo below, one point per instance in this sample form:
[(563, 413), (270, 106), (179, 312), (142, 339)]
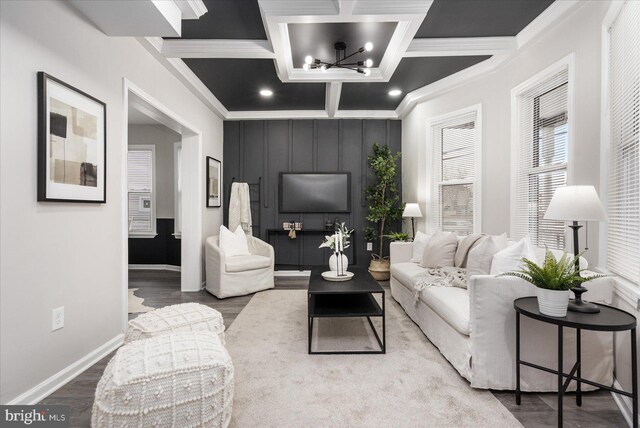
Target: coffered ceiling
[(239, 48)]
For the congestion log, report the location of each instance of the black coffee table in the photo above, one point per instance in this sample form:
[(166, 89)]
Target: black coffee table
[(354, 298)]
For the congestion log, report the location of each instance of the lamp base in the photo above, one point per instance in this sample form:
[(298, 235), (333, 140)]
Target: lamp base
[(579, 305)]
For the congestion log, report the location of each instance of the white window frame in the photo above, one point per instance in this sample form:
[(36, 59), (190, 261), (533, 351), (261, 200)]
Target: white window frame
[(430, 162), (154, 219), (177, 200), (568, 63), (625, 289)]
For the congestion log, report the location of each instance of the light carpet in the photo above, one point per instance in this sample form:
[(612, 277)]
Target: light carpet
[(277, 384), (135, 303)]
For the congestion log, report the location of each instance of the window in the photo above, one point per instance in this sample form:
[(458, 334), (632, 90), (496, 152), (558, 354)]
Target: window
[(141, 161), (623, 190), (456, 160), (541, 160), (177, 188)]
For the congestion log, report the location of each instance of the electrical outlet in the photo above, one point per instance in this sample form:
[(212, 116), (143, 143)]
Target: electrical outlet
[(369, 246), (57, 321)]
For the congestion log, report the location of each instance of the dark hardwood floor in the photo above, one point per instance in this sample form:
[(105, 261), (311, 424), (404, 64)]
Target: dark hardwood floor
[(161, 288)]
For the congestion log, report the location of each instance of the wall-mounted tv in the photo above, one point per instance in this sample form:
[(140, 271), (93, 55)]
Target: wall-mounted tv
[(315, 192)]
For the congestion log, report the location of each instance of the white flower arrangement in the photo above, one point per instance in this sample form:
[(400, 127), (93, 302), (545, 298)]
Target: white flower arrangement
[(342, 234)]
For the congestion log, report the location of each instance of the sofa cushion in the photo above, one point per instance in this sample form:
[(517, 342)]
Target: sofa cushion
[(450, 303), (419, 242), (244, 263), (404, 272), (464, 246), (440, 250), (510, 259), (480, 257)]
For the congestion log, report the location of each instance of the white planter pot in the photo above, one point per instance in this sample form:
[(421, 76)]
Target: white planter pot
[(553, 302), (333, 263)]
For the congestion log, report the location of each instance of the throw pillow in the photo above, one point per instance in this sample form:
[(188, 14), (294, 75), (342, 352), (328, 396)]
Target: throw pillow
[(440, 250), (510, 259), (462, 252), (419, 242), (480, 256), (233, 243)]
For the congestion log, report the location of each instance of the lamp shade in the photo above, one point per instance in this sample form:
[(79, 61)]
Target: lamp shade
[(411, 210), (575, 203)]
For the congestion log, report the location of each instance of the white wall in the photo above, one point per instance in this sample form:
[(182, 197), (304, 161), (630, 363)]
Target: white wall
[(62, 254), (163, 139), (581, 34)]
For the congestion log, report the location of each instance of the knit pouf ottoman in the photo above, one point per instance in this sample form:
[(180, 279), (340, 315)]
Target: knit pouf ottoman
[(174, 380), (176, 318)]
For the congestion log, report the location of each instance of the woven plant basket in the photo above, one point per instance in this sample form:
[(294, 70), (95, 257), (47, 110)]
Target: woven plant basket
[(379, 269)]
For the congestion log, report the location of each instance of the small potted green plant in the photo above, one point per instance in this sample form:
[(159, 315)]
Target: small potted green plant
[(397, 237), (553, 280)]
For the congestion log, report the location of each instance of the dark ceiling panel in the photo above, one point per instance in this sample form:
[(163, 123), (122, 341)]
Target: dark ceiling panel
[(317, 40), (480, 18), (226, 19), (411, 74), (237, 82)]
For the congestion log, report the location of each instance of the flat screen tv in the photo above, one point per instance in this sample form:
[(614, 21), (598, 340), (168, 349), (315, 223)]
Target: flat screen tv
[(315, 192)]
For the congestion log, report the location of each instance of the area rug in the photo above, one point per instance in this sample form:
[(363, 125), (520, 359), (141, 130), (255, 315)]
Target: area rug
[(277, 384), (136, 305)]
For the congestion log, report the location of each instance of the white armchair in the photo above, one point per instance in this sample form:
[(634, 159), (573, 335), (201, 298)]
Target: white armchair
[(238, 275)]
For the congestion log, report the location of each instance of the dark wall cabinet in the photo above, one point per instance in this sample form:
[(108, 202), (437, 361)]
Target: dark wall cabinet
[(254, 149)]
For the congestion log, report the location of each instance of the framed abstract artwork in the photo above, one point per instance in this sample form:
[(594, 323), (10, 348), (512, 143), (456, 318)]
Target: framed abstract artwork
[(72, 143), (214, 182)]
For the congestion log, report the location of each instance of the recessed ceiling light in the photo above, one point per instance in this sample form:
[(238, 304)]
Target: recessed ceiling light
[(368, 46), (266, 92), (395, 92)]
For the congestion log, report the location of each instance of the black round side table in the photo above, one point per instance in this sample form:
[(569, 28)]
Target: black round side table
[(608, 319)]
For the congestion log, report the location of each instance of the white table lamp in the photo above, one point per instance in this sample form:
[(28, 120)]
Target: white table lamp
[(574, 204), (412, 210)]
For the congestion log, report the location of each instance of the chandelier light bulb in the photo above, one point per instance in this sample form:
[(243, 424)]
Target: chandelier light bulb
[(368, 46), (266, 92), (368, 62), (395, 92), (323, 67), (305, 67), (367, 72), (308, 59)]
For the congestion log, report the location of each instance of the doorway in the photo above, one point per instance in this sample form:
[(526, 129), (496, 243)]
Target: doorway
[(187, 203)]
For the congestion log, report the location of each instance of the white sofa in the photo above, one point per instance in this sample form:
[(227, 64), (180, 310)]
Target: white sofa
[(238, 275), (475, 329)]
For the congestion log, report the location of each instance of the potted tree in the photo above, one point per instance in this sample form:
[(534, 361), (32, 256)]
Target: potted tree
[(553, 280), (384, 205)]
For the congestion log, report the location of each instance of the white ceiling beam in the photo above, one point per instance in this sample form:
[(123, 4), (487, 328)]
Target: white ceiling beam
[(191, 9), (464, 46), (332, 97), (207, 48), (178, 68), (277, 114), (366, 114)]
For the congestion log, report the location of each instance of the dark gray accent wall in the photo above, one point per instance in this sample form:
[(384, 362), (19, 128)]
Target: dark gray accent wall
[(164, 249), (254, 149)]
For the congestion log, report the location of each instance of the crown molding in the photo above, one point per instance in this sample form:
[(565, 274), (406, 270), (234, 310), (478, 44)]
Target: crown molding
[(557, 11), (464, 46), (277, 114), (366, 114), (205, 48), (178, 68), (191, 9), (332, 98)]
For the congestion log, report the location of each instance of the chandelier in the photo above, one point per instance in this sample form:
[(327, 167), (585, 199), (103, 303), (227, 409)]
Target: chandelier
[(363, 67)]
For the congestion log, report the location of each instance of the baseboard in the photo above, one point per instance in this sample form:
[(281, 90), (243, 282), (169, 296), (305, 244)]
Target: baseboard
[(155, 267), (64, 376), (301, 273), (623, 402)]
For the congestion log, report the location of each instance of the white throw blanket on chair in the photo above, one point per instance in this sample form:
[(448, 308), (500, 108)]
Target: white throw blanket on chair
[(240, 208)]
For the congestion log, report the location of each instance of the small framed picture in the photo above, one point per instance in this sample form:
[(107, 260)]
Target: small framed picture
[(72, 143), (214, 182)]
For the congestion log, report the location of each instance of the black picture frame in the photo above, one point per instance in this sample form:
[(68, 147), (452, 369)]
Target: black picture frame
[(213, 166), (78, 179)]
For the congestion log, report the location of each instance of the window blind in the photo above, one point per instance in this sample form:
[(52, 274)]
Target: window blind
[(454, 177), (140, 164), (541, 163), (623, 250)]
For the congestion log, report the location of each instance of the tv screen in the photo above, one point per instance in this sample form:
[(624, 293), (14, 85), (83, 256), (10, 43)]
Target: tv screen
[(315, 192)]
